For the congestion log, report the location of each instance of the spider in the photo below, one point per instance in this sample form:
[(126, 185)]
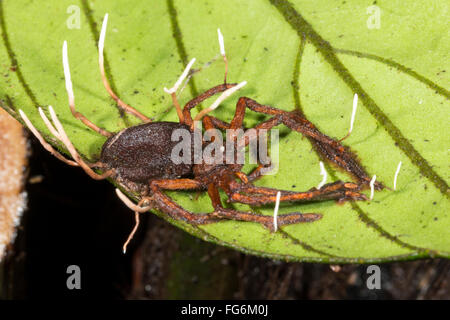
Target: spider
[(139, 157)]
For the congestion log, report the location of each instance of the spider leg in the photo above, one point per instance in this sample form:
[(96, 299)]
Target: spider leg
[(267, 221), (258, 172), (219, 124), (170, 207), (62, 136), (331, 149), (252, 195), (186, 114), (120, 103), (200, 98), (218, 101)]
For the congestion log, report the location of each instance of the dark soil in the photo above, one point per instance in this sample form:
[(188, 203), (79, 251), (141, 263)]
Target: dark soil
[(73, 220)]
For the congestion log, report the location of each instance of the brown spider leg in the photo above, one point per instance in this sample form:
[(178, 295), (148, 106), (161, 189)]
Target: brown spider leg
[(267, 221), (125, 107), (218, 101), (341, 191), (342, 157), (344, 160), (200, 98), (119, 102), (66, 141), (258, 172), (331, 149), (290, 119), (219, 124), (86, 121), (238, 122), (170, 207), (338, 190)]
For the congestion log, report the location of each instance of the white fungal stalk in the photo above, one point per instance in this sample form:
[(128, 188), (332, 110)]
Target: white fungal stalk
[(173, 91), (323, 172), (120, 103), (222, 52), (221, 43), (180, 79), (101, 45), (33, 129), (137, 209), (49, 124), (352, 120), (220, 99), (62, 133), (130, 203), (355, 105), (131, 235), (372, 186), (226, 94), (396, 174), (44, 143), (275, 211), (67, 75)]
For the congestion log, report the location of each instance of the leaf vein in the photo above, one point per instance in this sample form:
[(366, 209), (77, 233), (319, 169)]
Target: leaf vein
[(440, 90), (13, 60), (303, 28)]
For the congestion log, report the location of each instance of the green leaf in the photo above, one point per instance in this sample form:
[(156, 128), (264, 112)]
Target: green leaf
[(310, 55)]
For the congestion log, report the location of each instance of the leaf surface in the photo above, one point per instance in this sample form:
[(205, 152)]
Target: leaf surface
[(309, 55)]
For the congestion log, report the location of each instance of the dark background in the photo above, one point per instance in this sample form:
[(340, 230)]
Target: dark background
[(74, 220)]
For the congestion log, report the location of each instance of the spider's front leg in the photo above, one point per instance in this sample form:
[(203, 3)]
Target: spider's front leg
[(253, 195), (330, 149)]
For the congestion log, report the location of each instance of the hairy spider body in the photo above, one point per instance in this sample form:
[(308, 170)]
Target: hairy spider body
[(143, 153), (139, 158)]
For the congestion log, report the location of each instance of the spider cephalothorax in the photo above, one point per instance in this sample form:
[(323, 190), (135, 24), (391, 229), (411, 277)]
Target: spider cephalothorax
[(140, 158)]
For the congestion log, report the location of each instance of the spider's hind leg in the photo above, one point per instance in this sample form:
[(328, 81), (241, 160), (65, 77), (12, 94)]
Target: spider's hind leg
[(267, 221), (164, 203), (256, 196)]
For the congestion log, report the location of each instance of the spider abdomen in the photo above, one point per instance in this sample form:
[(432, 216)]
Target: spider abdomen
[(142, 153)]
